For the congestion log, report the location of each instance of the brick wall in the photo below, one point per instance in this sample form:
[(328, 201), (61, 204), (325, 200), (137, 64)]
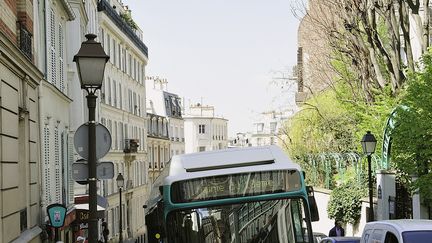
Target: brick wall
[(12, 14)]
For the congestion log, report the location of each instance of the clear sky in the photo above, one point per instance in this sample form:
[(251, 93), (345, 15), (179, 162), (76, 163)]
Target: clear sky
[(224, 52)]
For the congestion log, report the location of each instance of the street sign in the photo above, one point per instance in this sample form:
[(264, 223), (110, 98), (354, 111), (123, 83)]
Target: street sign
[(56, 214), (104, 170), (103, 140)]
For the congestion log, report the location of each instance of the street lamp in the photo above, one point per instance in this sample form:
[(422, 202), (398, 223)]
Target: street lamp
[(368, 144), (90, 61), (120, 184)]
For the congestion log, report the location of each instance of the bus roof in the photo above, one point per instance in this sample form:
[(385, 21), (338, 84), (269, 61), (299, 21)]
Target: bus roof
[(227, 161)]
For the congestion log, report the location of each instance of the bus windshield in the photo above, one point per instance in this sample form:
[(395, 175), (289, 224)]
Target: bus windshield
[(235, 185), (263, 221)]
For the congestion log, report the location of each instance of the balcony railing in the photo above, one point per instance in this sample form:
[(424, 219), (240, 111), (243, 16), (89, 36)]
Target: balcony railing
[(131, 146), (25, 41), (103, 5)]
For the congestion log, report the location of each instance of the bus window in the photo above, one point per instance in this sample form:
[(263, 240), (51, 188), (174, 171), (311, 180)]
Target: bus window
[(249, 223), (236, 185)]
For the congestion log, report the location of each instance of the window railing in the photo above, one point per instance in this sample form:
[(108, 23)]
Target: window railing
[(25, 41), (103, 5)]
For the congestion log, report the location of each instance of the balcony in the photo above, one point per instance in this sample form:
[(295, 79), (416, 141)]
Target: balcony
[(25, 41), (131, 146), (103, 5)]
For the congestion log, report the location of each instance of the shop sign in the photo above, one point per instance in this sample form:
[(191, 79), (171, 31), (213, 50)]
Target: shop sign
[(57, 214)]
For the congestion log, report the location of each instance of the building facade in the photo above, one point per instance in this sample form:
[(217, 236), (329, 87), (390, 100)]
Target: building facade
[(158, 144), (168, 105), (203, 130), (241, 139), (20, 217), (123, 112), (56, 138), (269, 129), (313, 71)]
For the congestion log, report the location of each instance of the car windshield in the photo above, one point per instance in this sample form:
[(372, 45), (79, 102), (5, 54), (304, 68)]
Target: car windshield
[(417, 236), (263, 221)]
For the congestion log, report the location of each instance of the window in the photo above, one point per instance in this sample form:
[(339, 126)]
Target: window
[(109, 91), (114, 93), (260, 127), (109, 46), (120, 96), (201, 129), (391, 238), (149, 155), (114, 58), (273, 127), (23, 220), (201, 149)]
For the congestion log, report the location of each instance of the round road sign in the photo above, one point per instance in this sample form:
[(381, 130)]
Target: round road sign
[(103, 140)]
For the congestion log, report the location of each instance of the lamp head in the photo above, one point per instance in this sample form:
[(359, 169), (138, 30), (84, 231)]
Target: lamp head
[(120, 180), (368, 143), (91, 60)]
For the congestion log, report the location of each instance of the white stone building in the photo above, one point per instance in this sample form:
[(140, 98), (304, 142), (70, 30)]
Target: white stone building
[(19, 123), (168, 105), (123, 112), (241, 139), (158, 144), (269, 128), (54, 102), (204, 131)]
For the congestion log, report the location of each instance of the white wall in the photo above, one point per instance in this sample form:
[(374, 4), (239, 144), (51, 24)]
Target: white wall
[(322, 197)]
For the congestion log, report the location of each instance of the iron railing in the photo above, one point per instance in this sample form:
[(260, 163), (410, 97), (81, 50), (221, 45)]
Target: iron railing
[(25, 41), (103, 5)]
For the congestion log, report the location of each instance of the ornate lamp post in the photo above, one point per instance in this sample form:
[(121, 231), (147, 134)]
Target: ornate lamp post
[(369, 144), (120, 184), (90, 61)]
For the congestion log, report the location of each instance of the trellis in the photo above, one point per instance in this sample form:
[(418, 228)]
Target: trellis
[(340, 161)]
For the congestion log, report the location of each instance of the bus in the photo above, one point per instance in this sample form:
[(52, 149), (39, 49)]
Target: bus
[(241, 195)]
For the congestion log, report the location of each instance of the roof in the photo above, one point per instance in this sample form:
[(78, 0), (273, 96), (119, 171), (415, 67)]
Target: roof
[(404, 224), (228, 161)]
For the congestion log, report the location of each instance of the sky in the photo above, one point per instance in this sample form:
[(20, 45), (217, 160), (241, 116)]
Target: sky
[(224, 53)]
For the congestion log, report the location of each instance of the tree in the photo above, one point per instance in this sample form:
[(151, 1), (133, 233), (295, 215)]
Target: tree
[(365, 35), (412, 136)]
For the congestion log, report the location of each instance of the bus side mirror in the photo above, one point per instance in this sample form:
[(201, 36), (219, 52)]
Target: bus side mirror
[(313, 207)]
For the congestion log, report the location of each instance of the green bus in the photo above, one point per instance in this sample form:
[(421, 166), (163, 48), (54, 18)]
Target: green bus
[(244, 195)]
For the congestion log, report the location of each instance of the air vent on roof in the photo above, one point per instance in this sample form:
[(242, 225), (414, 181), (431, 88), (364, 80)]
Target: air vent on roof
[(229, 166)]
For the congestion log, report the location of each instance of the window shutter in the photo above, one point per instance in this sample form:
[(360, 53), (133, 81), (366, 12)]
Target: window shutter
[(61, 59), (47, 174), (70, 157), (57, 167), (52, 68)]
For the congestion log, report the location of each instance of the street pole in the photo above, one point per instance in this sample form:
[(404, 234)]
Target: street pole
[(121, 218), (371, 211), (92, 221)]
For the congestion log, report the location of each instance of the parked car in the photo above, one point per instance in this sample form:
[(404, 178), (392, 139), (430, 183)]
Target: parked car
[(398, 231), (340, 239), (318, 236)]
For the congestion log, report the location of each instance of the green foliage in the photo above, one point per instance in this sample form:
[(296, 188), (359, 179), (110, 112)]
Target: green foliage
[(345, 202), (412, 137), (323, 125), (127, 18)]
